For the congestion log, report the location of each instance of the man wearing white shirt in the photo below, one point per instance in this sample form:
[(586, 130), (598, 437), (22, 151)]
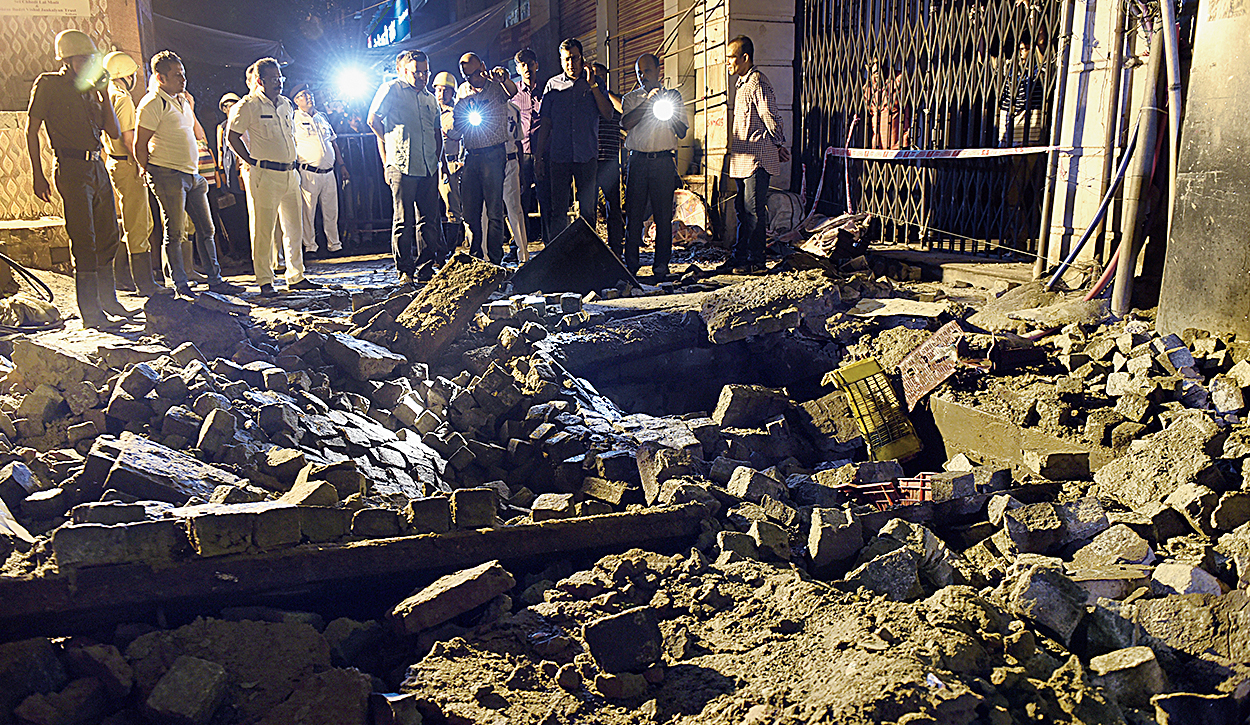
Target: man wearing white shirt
[(165, 150), (655, 118), (261, 130), (318, 158)]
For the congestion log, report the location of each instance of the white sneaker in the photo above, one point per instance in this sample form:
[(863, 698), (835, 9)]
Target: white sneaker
[(336, 248)]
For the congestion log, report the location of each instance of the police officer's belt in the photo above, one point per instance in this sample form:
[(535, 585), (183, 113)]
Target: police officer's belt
[(76, 155), (315, 170), (652, 155), (277, 166)]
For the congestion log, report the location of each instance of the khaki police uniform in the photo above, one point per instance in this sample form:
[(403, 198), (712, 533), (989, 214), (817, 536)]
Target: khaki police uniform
[(132, 195)]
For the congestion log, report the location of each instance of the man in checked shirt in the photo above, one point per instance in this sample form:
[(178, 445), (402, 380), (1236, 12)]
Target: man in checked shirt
[(756, 152)]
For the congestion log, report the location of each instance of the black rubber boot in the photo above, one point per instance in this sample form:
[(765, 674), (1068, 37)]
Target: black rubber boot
[(121, 272), (106, 293)]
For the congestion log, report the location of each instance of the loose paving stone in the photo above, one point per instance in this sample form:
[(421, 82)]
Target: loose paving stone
[(625, 642), (190, 692), (451, 596)]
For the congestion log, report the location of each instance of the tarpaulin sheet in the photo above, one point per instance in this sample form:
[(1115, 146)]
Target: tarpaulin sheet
[(199, 44)]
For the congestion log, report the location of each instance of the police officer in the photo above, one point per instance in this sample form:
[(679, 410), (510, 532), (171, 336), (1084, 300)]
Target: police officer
[(319, 157), (261, 132), (73, 105), (132, 195), (451, 164)]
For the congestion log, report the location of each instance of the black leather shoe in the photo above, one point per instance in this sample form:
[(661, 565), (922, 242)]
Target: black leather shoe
[(304, 284), (729, 266)]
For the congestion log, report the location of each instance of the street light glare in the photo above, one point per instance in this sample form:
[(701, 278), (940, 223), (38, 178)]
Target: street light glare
[(663, 109), (351, 83)]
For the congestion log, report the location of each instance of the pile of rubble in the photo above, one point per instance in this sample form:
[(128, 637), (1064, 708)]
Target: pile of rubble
[(780, 579)]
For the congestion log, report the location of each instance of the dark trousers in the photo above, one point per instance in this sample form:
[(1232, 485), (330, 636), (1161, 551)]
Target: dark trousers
[(90, 213), (416, 212), (481, 183), (751, 206), (563, 177), (530, 201), (609, 181), (651, 180)]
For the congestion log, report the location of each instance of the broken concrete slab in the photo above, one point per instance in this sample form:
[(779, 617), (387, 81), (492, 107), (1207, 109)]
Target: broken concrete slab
[(751, 485), (577, 260), (770, 304), (1178, 577), (1165, 461), (1034, 528), (749, 406), (39, 360), (440, 310), (1131, 675), (451, 596), (895, 575), (1117, 545), (148, 470), (59, 605), (178, 321)]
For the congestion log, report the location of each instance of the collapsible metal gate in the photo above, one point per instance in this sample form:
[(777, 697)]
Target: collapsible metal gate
[(912, 74)]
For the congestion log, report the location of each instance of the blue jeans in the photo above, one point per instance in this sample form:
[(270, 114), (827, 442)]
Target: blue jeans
[(751, 206), (179, 194), (481, 182)]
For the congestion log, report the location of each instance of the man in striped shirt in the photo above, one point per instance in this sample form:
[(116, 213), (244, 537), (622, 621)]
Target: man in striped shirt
[(756, 152)]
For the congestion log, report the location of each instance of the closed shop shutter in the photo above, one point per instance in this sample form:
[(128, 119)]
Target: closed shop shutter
[(641, 27), (577, 20)]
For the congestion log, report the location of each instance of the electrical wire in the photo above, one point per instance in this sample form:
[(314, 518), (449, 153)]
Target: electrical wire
[(44, 291)]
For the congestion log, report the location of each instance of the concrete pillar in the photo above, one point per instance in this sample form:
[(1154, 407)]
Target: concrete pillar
[(1206, 272)]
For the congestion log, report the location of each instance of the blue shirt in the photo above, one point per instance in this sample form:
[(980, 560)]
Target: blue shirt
[(570, 111)]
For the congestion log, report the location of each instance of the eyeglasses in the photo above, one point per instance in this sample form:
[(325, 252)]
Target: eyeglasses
[(272, 78)]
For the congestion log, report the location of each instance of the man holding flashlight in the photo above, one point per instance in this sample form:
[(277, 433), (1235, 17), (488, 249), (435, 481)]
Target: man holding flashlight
[(480, 121), (655, 119)]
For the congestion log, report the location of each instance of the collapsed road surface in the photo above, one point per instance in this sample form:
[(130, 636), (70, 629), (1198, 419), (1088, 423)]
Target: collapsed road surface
[(637, 505)]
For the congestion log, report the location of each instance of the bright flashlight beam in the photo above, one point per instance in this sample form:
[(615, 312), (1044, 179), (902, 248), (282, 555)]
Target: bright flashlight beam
[(475, 118), (663, 109), (351, 83)]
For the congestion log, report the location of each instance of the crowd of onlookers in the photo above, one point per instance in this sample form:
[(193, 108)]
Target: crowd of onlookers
[(473, 162)]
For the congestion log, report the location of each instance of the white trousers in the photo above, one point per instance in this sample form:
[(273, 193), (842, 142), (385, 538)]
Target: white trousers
[(273, 195), (513, 209), (320, 189)]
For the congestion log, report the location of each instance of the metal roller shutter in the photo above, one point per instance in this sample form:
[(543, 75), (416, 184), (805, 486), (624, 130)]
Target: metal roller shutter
[(641, 30), (577, 20)]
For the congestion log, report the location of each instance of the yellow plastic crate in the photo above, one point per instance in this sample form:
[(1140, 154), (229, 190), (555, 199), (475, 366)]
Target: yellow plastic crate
[(880, 417)]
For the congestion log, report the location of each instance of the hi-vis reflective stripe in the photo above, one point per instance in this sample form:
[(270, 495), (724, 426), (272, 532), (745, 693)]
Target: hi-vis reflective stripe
[(912, 154)]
